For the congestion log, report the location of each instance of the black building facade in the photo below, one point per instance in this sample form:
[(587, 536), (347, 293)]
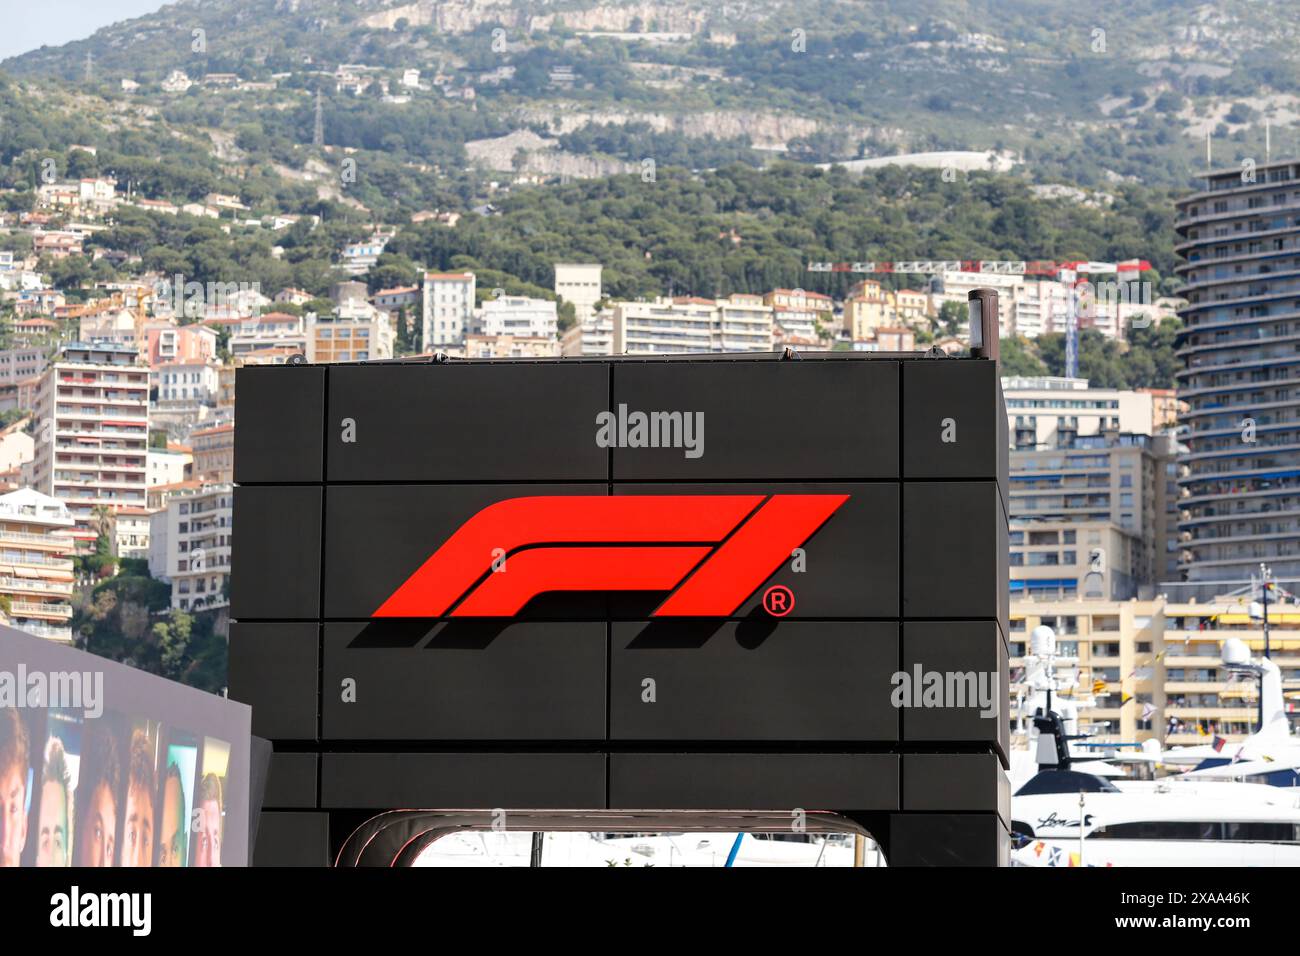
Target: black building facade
[(687, 583)]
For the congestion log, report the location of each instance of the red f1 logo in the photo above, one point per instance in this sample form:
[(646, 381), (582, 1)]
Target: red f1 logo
[(711, 551)]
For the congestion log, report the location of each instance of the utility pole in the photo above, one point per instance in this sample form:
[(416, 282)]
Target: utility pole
[(90, 66)]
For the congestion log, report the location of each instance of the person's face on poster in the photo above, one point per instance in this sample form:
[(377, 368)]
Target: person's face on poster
[(137, 838), (101, 828), (208, 852), (13, 814), (52, 845), (171, 852)]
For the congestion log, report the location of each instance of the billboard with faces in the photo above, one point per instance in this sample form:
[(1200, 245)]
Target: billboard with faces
[(104, 765)]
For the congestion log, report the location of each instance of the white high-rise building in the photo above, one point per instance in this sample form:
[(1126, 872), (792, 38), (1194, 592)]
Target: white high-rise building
[(189, 545), (579, 283), (519, 316), (593, 337), (448, 309), (35, 532), (93, 403), (1052, 411), (739, 324)]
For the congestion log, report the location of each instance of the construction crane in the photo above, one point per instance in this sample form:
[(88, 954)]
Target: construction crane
[(1066, 272), (1008, 267)]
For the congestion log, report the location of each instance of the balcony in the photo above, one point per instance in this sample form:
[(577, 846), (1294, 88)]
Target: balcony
[(10, 585), (54, 610), (42, 540), (47, 631), (47, 562)]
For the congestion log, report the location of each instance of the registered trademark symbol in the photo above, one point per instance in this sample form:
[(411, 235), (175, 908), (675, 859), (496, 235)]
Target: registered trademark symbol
[(778, 600)]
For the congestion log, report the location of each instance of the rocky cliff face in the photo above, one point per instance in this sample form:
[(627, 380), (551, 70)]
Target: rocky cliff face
[(766, 130), (463, 16)]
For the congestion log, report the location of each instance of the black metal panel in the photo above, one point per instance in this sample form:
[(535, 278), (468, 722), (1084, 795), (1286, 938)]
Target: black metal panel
[(753, 781), (948, 839), (951, 648), (273, 669), (436, 444), (291, 838), (755, 680), (953, 564), (956, 782), (793, 420), (466, 680), (292, 781), (281, 414), (277, 575), (541, 781), (951, 418), (849, 565), (467, 422)]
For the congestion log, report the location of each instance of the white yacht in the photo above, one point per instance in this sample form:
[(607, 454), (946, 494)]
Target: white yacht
[(1071, 818), (1226, 808)]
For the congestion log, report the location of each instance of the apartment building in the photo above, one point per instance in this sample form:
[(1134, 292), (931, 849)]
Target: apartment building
[(866, 308), (1166, 406), (213, 451), (360, 257), (193, 383), (275, 330), (190, 545), (887, 338), (800, 316), (510, 346), (17, 447), (745, 324), (593, 337), (1114, 478), (36, 548), (166, 343), (393, 300), (741, 323), (93, 403), (169, 465), (1240, 239), (345, 339), (519, 316), (1061, 559), (226, 388), (21, 363), (955, 286), (579, 283), (448, 308), (1050, 411), (1038, 308), (1159, 663), (20, 394), (120, 327), (664, 325), (131, 531)]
